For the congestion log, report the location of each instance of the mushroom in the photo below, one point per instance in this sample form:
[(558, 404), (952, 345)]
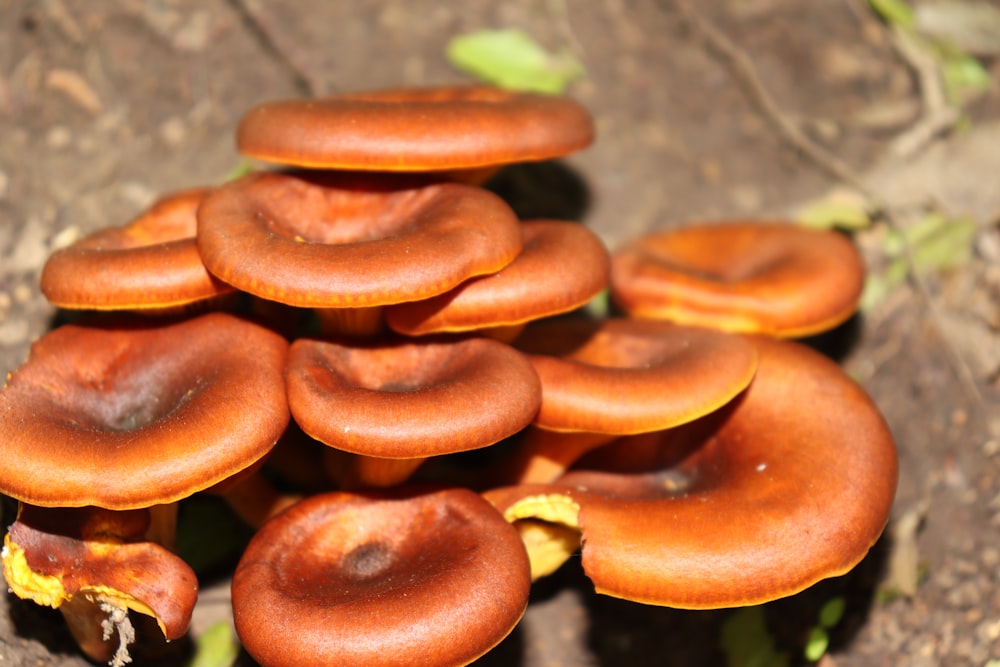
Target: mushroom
[(619, 376), (383, 399), (409, 576), (562, 266), (443, 129), (352, 243), (150, 264), (774, 277), (87, 562), (127, 414), (751, 503)]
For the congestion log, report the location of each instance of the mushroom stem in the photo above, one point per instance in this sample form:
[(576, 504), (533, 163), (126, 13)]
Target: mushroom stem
[(543, 456), (355, 471), (162, 528), (255, 500), (85, 619), (352, 322)]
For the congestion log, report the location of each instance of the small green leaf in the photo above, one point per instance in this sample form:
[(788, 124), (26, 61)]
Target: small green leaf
[(894, 12), (832, 611), (747, 642), (240, 170), (511, 59), (835, 215), (817, 644), (940, 243), (965, 75), (215, 647), (599, 307)]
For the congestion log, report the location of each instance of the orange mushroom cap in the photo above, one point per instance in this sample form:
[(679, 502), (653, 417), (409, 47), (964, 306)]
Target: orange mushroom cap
[(54, 555), (416, 129), (412, 576), (789, 484), (775, 278), (330, 240), (562, 266), (385, 398), (622, 376), (150, 263), (126, 414)]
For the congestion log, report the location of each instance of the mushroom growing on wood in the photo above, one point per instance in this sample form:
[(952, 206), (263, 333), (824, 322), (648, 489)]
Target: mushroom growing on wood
[(774, 278), (751, 503), (389, 579)]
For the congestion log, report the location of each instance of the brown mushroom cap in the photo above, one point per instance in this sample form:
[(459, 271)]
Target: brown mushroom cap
[(416, 129), (125, 414), (622, 376), (385, 398), (789, 484), (54, 555), (434, 578), (774, 278), (562, 266), (150, 263), (327, 240)]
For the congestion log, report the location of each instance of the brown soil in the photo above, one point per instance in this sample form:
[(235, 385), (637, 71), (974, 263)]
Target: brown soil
[(103, 105)]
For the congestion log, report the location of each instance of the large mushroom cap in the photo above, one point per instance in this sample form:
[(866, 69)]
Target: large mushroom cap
[(385, 398), (621, 376), (562, 266), (150, 263), (416, 129), (411, 577), (774, 278), (789, 484), (326, 240), (125, 414)]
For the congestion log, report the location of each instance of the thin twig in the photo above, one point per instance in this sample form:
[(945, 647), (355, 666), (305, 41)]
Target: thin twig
[(743, 70), (259, 29)]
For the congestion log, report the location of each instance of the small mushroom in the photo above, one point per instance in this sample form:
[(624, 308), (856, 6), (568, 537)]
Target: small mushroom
[(402, 577), (396, 402), (354, 243), (88, 562), (150, 264), (562, 266), (774, 278), (620, 376), (753, 502), (445, 128)]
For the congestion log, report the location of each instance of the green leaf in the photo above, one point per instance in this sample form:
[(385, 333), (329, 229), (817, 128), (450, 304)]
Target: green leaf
[(964, 75), (816, 644), (215, 647), (832, 611), (940, 243), (511, 59), (747, 642), (835, 215), (894, 12), (240, 170)]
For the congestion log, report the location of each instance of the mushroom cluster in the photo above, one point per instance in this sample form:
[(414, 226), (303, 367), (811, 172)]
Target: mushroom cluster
[(372, 308)]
